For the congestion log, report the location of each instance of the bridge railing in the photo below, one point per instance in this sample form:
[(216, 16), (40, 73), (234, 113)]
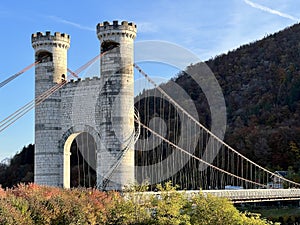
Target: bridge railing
[(244, 195), (251, 195)]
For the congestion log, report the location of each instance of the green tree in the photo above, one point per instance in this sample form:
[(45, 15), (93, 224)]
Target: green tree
[(169, 206), (128, 209), (210, 210)]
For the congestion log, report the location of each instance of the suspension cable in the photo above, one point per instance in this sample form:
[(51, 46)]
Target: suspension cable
[(207, 130), (26, 108), (86, 65), (3, 83), (195, 157)]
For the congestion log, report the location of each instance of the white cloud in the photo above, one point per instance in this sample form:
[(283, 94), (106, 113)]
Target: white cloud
[(146, 27), (60, 20), (269, 10)]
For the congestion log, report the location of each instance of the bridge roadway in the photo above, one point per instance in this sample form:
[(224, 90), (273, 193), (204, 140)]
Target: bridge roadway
[(255, 195), (247, 195)]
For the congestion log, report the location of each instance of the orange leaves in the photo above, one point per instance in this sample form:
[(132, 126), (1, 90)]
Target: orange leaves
[(33, 204), (2, 192), (52, 205)]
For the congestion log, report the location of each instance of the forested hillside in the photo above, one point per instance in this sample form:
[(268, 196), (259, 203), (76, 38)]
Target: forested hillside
[(20, 168), (261, 85)]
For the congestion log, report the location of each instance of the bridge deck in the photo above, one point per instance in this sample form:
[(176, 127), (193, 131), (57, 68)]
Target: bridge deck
[(255, 195), (247, 195)]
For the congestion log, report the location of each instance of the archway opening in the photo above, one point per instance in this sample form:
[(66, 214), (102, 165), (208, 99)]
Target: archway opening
[(108, 45), (44, 56), (80, 161)]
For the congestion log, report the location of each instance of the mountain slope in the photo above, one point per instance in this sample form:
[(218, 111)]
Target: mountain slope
[(261, 85)]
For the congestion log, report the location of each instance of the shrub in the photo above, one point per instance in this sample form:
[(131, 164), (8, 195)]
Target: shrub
[(15, 211), (219, 211), (33, 204)]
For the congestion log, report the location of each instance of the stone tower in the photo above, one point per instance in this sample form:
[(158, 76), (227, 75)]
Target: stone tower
[(51, 52), (101, 107), (116, 105)]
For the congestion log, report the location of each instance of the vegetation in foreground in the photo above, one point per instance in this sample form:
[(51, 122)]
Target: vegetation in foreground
[(33, 204), (287, 214)]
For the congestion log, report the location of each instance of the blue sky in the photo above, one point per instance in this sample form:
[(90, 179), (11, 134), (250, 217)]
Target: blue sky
[(207, 28)]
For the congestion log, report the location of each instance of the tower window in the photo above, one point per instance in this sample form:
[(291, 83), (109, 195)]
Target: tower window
[(108, 45), (44, 57)]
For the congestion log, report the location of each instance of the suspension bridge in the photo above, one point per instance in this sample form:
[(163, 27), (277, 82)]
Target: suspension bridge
[(170, 142)]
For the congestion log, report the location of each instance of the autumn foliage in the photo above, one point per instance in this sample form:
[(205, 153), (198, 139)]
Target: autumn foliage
[(33, 204)]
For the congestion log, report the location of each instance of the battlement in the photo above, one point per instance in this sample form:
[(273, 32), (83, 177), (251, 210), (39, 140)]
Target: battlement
[(115, 28), (40, 38), (83, 82), (86, 79)]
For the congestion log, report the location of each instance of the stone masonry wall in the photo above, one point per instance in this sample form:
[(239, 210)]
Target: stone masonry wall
[(102, 107), (51, 51), (116, 104)]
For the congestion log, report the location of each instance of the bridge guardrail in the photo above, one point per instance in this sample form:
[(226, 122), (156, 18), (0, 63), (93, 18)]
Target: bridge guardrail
[(244, 195), (248, 195)]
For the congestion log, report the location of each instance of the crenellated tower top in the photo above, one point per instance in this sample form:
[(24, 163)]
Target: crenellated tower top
[(51, 48), (57, 39), (125, 29)]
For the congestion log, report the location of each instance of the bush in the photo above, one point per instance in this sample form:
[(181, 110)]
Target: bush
[(33, 204), (14, 210), (213, 210)]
